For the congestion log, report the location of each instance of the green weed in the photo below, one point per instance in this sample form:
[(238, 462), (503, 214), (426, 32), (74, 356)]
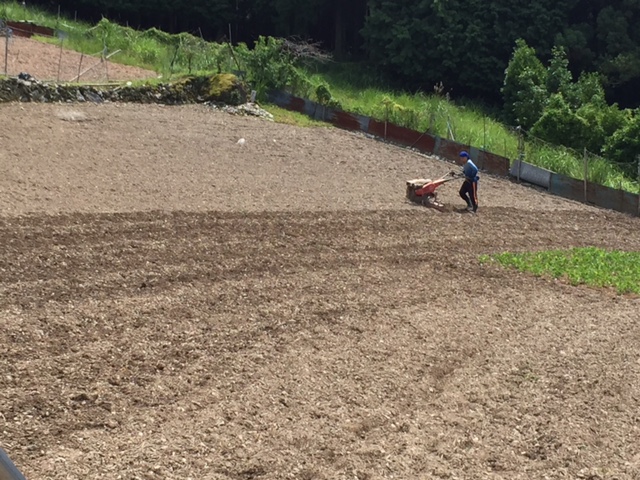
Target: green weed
[(289, 117), (589, 266)]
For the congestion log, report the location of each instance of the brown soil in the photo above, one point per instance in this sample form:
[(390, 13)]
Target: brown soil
[(47, 62), (175, 305)]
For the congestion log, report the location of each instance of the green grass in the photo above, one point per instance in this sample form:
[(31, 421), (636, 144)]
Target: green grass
[(289, 117), (588, 266)]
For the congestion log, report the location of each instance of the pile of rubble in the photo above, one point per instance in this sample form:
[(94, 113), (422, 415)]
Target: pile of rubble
[(248, 108)]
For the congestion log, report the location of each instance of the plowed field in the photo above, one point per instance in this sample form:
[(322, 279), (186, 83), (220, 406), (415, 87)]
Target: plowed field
[(176, 305)]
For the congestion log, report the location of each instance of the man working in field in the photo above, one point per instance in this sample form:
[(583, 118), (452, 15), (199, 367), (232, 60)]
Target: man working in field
[(469, 189)]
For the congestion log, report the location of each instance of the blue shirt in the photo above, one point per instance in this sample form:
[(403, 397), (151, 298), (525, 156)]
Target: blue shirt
[(470, 171)]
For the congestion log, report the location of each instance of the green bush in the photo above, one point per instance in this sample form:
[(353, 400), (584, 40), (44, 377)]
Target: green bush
[(624, 145), (560, 125), (269, 65), (588, 89)]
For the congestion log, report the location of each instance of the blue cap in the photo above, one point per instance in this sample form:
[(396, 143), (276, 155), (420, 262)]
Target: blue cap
[(464, 154)]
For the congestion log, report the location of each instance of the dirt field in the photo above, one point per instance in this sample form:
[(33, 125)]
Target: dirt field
[(174, 305), (46, 62)]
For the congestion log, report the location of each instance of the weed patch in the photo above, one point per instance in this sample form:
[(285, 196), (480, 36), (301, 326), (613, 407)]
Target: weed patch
[(588, 266)]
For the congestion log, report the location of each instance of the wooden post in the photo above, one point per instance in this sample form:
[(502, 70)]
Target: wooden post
[(80, 65), (105, 59), (520, 151), (6, 52), (94, 66), (60, 58), (586, 173)]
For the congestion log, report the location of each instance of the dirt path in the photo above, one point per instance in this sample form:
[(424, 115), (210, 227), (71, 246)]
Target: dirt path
[(175, 305)]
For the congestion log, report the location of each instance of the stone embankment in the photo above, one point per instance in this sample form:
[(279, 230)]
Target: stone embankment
[(223, 92), (223, 89)]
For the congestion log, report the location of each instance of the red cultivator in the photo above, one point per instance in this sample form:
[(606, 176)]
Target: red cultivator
[(423, 190)]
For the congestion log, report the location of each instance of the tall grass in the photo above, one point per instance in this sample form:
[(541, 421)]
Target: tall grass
[(151, 49)]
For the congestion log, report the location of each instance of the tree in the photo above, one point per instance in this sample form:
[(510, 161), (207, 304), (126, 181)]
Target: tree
[(466, 44), (559, 78), (524, 90), (602, 37)]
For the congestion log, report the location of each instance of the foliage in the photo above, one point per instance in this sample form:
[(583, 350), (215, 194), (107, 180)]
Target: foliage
[(573, 114), (624, 145), (289, 117), (587, 90), (559, 79), (324, 96), (275, 63), (561, 125), (591, 266), (464, 43), (524, 89)]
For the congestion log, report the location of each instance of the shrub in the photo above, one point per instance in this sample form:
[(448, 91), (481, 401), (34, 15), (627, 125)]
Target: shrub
[(560, 125), (269, 65), (624, 145)]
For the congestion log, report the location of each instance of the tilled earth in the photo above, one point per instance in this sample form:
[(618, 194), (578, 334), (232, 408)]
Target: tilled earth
[(47, 61), (177, 305)]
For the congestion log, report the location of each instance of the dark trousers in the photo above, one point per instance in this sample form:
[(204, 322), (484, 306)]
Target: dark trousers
[(469, 193)]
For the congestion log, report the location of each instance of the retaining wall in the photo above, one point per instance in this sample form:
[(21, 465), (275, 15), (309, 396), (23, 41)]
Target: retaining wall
[(489, 162)]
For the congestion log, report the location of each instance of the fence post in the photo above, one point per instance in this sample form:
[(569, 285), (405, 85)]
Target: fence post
[(6, 51), (80, 66), (520, 151), (638, 159), (105, 59), (586, 172), (60, 57)]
